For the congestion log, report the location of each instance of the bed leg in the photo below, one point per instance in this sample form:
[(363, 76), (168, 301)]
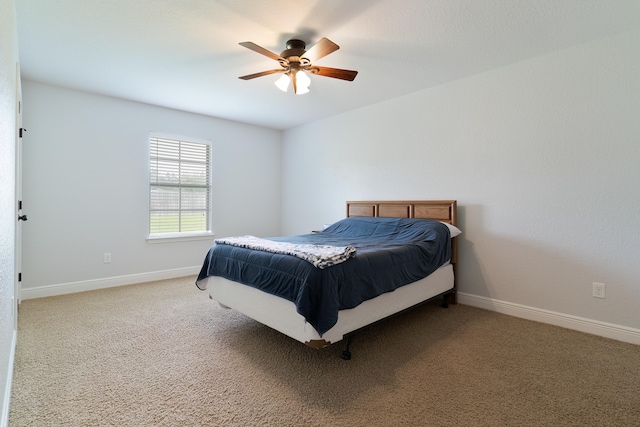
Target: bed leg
[(346, 354), (453, 297), (445, 301)]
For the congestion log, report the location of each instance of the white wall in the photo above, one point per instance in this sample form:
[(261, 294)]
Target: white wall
[(86, 185), (543, 157), (8, 212)]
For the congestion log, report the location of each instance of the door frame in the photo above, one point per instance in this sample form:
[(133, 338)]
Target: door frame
[(18, 201)]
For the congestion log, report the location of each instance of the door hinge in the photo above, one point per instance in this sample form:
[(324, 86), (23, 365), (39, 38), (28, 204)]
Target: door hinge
[(19, 205), (22, 130), (19, 277)]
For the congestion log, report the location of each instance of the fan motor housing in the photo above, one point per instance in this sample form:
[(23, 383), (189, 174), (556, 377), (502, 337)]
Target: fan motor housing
[(295, 48)]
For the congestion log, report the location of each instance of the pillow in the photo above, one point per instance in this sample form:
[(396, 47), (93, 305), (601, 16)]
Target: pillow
[(455, 231)]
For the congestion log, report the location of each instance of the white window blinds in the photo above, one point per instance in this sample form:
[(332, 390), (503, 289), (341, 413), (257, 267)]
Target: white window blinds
[(179, 186)]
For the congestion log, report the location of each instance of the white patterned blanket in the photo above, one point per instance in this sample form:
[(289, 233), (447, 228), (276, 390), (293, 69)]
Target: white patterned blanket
[(321, 256)]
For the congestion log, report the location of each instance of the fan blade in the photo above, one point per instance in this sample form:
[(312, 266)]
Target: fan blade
[(254, 47), (321, 49), (263, 73), (336, 73)]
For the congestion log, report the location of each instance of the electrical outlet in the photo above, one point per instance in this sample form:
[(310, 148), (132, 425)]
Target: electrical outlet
[(107, 258), (598, 290)]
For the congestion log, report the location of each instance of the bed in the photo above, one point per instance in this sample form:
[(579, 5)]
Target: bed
[(283, 288)]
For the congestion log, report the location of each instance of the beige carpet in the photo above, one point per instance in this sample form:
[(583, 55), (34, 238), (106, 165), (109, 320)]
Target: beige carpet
[(164, 354)]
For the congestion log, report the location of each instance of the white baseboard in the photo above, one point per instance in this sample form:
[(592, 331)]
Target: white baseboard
[(603, 329), (108, 282), (4, 415)]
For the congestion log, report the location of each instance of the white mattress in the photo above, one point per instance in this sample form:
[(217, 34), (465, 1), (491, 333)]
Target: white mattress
[(280, 314)]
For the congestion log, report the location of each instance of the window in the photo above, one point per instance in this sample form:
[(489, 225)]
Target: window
[(179, 187)]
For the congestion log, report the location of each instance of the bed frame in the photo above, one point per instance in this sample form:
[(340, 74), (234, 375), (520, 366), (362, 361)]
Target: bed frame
[(280, 314)]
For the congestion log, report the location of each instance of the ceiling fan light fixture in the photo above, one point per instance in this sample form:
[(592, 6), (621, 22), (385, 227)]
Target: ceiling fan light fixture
[(295, 61), (302, 83), (283, 82)]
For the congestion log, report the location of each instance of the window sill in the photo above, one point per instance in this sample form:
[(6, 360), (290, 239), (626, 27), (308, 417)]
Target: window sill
[(179, 237)]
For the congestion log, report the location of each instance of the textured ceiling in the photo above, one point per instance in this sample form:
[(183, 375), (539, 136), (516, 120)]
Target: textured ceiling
[(184, 54)]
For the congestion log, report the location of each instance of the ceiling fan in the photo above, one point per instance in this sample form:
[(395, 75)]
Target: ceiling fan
[(295, 62)]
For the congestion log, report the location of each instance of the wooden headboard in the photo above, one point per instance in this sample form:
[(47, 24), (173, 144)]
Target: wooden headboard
[(441, 210)]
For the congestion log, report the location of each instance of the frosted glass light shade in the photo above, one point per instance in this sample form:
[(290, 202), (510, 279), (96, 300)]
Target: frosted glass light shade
[(283, 82), (302, 90), (302, 81)]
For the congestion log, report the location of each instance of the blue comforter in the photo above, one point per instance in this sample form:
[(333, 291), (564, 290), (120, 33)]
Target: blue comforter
[(390, 252)]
